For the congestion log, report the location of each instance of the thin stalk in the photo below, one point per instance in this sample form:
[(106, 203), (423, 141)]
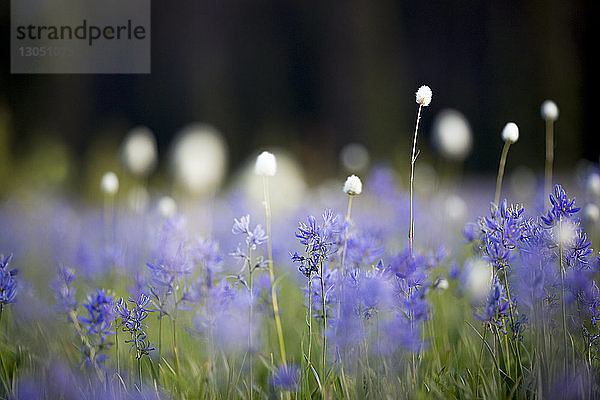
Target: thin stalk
[(274, 301), (562, 294), (117, 351), (324, 349), (139, 360), (413, 158), (549, 155), (501, 171), (343, 264), (309, 319), (479, 368), (159, 337), (175, 353), (250, 317), (518, 369)]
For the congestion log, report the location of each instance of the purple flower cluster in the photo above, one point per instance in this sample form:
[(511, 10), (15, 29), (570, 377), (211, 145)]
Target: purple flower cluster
[(130, 320), (320, 241), (8, 282), (98, 325), (536, 261)]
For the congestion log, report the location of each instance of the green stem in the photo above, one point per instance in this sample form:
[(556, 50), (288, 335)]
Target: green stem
[(343, 264), (324, 349), (413, 158), (159, 336), (175, 353), (562, 294), (512, 321), (250, 317), (549, 155), (501, 171), (479, 368), (274, 301), (117, 351), (309, 320)]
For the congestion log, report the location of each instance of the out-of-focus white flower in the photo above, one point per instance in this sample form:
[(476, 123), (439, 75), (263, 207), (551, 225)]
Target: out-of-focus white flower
[(510, 133), (166, 207), (424, 95), (266, 164), (452, 135), (549, 110), (591, 212), (110, 183), (353, 185), (198, 158), (478, 278), (354, 157), (593, 184), (456, 208), (138, 151)]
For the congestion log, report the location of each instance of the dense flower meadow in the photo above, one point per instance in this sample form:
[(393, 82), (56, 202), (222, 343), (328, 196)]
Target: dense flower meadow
[(357, 291)]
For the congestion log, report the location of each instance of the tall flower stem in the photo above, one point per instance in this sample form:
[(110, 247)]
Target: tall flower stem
[(562, 295), (549, 155), (512, 321), (175, 353), (324, 349), (250, 320), (343, 264), (274, 301), (309, 320), (501, 171), (160, 317), (413, 158)]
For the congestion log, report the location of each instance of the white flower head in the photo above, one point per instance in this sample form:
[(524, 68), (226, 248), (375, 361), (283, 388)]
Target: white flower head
[(266, 164), (593, 184), (424, 95), (110, 183), (199, 158), (354, 157), (353, 185), (452, 135), (549, 110), (591, 212), (510, 133), (478, 278), (166, 207), (138, 151)]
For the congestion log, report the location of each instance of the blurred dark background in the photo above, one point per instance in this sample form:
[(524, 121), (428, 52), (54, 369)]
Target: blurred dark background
[(314, 76)]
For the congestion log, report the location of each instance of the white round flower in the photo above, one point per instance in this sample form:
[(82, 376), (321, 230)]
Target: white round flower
[(266, 164), (549, 110), (452, 135), (593, 184), (198, 158), (591, 212), (424, 95), (166, 207), (510, 133), (478, 278), (354, 157), (353, 185), (110, 183), (138, 152), (455, 208)]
